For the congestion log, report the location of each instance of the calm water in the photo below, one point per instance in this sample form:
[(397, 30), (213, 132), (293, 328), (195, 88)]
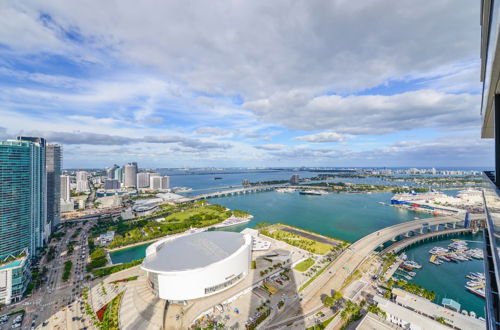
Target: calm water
[(348, 217), (448, 279), (207, 183), (345, 216)]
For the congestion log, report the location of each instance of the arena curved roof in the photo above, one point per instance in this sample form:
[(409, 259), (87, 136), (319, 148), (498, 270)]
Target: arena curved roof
[(193, 251)]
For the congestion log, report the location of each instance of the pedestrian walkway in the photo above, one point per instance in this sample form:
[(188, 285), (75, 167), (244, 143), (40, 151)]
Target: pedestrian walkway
[(140, 308)]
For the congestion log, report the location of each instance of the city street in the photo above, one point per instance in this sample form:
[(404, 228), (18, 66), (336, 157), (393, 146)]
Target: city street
[(47, 303)]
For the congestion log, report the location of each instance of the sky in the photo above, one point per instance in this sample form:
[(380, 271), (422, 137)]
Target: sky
[(246, 83)]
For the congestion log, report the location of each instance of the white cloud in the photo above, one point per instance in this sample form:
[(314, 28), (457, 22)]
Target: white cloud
[(171, 72), (192, 44), (322, 137), (370, 114), (451, 150)]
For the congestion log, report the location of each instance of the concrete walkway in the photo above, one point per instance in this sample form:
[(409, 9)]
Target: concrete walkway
[(140, 309)]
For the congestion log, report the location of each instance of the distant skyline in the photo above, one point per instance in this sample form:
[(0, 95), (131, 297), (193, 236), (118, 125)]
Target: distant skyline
[(241, 84)]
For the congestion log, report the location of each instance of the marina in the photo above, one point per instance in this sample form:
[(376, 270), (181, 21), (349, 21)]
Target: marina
[(450, 272)]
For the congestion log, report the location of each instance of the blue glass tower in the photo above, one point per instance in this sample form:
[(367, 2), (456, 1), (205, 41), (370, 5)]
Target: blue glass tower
[(22, 196)]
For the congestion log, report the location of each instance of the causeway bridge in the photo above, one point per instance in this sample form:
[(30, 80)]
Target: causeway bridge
[(243, 190), (224, 193)]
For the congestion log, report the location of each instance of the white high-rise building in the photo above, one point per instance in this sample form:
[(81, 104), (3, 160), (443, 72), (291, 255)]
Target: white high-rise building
[(82, 183), (65, 188), (143, 180), (130, 175), (159, 182)]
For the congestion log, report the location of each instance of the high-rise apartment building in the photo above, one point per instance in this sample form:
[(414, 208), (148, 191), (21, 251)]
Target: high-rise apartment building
[(82, 181), (490, 112), (65, 188), (159, 182), (130, 175), (39, 178), (54, 164), (22, 196), (142, 180), (111, 184), (110, 172), (119, 174)]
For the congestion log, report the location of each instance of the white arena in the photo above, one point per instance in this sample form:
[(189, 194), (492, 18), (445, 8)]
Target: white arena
[(197, 265)]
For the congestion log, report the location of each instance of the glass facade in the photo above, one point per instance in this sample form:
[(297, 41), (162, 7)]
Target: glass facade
[(16, 195), (53, 158), (22, 196), (223, 285), (15, 276)]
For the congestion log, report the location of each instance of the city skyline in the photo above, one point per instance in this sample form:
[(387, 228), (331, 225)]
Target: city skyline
[(261, 87)]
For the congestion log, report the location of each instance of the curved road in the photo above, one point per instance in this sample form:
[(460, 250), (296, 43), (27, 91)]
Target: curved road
[(335, 275)]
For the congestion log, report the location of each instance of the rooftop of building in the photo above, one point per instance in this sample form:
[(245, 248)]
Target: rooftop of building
[(193, 251)]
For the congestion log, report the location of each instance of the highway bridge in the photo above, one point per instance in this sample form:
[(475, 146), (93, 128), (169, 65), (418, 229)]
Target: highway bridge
[(241, 191), (334, 276), (400, 245), (232, 192)]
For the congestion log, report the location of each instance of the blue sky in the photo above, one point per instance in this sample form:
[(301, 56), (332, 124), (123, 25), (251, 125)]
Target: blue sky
[(246, 83)]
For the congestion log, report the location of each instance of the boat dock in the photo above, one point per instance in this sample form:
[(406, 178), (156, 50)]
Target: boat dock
[(393, 269)]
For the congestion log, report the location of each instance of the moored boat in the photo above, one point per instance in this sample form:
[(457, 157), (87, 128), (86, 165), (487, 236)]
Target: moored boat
[(477, 292), (412, 264)]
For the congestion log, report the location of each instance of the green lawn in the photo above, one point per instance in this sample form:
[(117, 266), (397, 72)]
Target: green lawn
[(178, 218), (304, 265), (201, 213), (298, 241)]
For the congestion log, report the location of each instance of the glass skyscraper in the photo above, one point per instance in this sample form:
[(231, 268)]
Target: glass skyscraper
[(22, 196), (53, 159)]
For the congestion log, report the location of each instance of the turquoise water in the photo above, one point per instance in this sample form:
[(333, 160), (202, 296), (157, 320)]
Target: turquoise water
[(349, 217), (448, 279), (127, 255), (345, 216)]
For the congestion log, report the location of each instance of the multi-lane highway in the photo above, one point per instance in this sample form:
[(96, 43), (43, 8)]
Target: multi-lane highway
[(56, 295)]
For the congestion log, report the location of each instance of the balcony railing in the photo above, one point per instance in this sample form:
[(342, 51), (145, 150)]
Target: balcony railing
[(491, 194)]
